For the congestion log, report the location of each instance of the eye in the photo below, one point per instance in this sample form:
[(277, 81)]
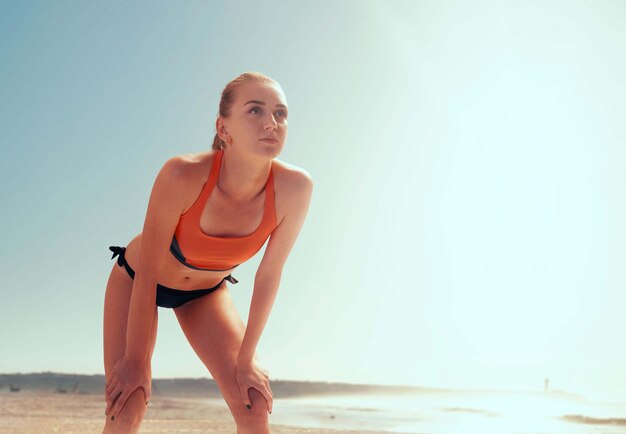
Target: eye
[(283, 112)]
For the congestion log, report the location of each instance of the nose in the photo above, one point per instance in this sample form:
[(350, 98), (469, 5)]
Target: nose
[(271, 124)]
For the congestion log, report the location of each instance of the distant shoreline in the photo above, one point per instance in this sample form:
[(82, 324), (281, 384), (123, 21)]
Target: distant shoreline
[(192, 387), (206, 387)]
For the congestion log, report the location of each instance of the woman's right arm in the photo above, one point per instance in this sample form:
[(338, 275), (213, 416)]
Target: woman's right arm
[(164, 209)]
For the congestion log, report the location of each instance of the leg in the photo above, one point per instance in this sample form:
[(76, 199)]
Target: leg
[(215, 332), (116, 305)]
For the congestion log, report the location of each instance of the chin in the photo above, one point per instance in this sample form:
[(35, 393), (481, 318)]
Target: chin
[(271, 150)]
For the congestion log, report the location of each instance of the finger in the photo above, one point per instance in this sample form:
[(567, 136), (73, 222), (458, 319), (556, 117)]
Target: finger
[(268, 398), (245, 397), (119, 404), (110, 395), (271, 401), (146, 395), (113, 394), (110, 402), (112, 385)]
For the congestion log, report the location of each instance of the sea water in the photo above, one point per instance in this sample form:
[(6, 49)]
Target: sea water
[(457, 412)]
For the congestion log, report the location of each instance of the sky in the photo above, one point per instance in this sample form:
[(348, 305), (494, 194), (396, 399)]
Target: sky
[(467, 222)]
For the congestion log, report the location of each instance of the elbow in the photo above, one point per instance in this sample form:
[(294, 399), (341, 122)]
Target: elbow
[(268, 277)]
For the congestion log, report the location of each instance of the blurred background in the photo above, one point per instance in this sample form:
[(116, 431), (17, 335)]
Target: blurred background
[(467, 223)]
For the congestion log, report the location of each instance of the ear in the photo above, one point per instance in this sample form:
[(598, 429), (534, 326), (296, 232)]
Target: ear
[(221, 129)]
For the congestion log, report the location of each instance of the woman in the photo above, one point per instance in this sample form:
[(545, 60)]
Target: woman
[(208, 212)]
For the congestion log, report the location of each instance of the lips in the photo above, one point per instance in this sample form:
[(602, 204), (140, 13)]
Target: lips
[(271, 140)]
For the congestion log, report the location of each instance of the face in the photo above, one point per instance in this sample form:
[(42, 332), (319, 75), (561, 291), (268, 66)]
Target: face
[(258, 112)]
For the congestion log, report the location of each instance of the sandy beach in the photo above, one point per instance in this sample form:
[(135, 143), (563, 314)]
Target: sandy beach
[(47, 412), (436, 411)]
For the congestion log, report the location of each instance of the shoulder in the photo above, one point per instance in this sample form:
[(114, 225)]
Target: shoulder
[(291, 179), (187, 173), (182, 176), (293, 188), (189, 166)]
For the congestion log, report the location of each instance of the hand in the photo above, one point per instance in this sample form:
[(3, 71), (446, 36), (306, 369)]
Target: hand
[(127, 376), (251, 374)]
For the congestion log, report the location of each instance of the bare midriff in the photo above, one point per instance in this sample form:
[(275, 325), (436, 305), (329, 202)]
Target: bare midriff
[(172, 273)]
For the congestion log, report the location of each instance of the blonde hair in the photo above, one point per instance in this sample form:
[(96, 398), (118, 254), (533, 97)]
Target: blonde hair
[(228, 97)]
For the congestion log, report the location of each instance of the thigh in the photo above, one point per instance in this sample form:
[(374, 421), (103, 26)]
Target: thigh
[(215, 331), (116, 306)]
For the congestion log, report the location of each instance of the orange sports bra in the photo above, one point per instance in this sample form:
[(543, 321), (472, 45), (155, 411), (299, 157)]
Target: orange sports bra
[(200, 251)]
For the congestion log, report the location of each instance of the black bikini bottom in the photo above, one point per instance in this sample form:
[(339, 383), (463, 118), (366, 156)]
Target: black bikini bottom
[(167, 297)]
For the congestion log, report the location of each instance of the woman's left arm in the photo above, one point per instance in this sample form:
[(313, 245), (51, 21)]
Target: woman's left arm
[(267, 279)]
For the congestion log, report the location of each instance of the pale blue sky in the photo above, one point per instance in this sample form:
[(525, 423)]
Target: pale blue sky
[(467, 223)]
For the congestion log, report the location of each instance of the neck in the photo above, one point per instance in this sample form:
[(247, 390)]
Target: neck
[(242, 178)]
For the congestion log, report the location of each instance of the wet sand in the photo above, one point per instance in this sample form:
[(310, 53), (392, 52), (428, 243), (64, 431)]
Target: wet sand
[(45, 413)]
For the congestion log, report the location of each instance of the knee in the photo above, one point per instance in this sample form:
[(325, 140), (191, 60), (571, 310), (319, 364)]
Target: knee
[(254, 420)]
